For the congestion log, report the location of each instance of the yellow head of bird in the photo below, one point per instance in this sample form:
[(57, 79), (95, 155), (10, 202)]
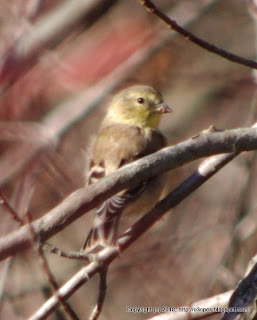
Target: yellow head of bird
[(138, 105)]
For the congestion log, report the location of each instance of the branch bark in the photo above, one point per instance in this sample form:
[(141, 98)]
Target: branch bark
[(83, 200), (243, 299), (209, 305), (106, 256), (58, 121)]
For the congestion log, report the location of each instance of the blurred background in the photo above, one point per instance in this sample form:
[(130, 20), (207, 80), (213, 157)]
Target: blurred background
[(60, 63)]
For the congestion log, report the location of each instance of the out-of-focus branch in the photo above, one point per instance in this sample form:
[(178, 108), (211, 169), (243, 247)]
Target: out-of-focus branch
[(190, 36), (244, 297), (61, 118), (206, 170), (252, 6), (69, 313), (34, 140), (49, 31), (67, 290), (3, 278), (195, 310), (83, 200), (40, 138)]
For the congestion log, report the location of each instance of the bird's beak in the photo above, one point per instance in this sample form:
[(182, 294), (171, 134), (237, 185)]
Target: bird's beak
[(162, 108)]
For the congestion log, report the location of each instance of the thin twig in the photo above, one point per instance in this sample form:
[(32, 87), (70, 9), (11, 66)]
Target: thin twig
[(206, 170), (77, 255), (83, 200), (42, 259), (69, 312), (190, 36), (67, 290), (62, 117), (10, 209), (101, 294)]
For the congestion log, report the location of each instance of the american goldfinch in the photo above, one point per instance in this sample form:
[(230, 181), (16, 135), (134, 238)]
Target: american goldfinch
[(128, 132)]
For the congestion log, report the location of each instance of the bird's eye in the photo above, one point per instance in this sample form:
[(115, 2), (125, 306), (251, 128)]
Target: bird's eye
[(141, 100)]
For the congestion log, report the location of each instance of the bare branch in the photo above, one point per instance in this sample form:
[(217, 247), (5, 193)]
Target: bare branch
[(9, 208), (42, 137), (218, 301), (101, 295), (62, 117), (68, 289), (44, 264), (49, 31), (83, 200), (107, 255), (34, 140), (77, 255), (243, 298), (206, 170), (190, 36), (4, 277)]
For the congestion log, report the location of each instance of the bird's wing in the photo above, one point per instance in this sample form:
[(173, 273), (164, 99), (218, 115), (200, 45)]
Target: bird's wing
[(120, 144), (111, 152)]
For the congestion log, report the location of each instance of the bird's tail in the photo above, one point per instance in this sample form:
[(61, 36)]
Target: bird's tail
[(105, 226), (104, 235)]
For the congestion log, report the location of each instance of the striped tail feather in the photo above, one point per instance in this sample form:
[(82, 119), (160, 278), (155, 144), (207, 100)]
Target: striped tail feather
[(105, 226), (104, 235)]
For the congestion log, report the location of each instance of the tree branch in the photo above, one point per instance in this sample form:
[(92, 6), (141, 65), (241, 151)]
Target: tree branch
[(244, 297), (67, 290), (74, 255), (218, 301), (201, 43), (83, 200), (206, 170), (101, 295), (9, 208), (49, 31), (58, 121)]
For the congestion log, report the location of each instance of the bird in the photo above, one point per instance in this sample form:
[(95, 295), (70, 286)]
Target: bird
[(129, 131)]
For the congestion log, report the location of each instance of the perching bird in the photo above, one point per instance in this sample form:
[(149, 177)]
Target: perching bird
[(128, 132)]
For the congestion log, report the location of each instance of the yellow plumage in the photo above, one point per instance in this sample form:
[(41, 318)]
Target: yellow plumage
[(128, 132)]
